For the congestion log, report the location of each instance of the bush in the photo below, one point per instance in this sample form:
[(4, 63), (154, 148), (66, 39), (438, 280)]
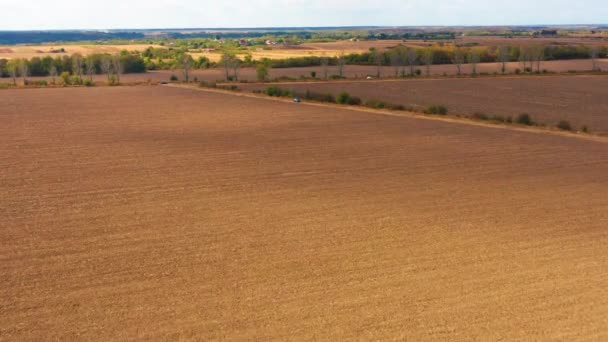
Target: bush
[(495, 118), (313, 74), (319, 97), (564, 125), (75, 80), (261, 72), (480, 116), (88, 83), (278, 92), (65, 77), (113, 80), (585, 129), (231, 87), (378, 104), (205, 84), (354, 101), (343, 98), (437, 110), (173, 78), (525, 119)]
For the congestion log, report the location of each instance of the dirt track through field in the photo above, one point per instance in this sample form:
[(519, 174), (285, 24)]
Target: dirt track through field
[(165, 213)]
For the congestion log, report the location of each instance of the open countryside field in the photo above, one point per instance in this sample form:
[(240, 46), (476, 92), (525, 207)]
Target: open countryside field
[(331, 49), (598, 40), (350, 71), (581, 100), (361, 71), (42, 50), (169, 214)]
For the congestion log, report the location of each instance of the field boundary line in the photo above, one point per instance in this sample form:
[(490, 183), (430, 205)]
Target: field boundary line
[(406, 114)]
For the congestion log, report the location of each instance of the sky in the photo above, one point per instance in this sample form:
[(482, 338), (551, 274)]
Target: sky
[(113, 14)]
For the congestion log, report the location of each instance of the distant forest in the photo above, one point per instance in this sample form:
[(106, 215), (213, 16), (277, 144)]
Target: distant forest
[(36, 37)]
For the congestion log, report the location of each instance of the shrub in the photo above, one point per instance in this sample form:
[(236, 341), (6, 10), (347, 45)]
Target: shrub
[(261, 72), (205, 84), (480, 116), (88, 83), (378, 104), (319, 97), (525, 119), (230, 87), (585, 129), (75, 80), (173, 78), (437, 110), (564, 125), (113, 80), (65, 77), (354, 101), (343, 98), (313, 74)]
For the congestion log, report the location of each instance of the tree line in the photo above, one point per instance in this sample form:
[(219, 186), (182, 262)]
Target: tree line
[(406, 61), (74, 68)]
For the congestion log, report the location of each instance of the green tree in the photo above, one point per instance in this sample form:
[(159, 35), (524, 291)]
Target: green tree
[(261, 71)]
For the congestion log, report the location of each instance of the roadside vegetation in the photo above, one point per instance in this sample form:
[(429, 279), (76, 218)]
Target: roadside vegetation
[(235, 54), (345, 98)]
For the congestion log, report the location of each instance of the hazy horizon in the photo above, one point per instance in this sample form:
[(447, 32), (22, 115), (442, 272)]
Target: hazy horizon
[(180, 14)]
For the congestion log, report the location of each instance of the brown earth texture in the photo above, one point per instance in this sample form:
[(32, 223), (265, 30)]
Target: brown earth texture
[(174, 214), (581, 100)]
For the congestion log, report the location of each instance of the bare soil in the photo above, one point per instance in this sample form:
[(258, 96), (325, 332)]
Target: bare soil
[(581, 100), (164, 214)]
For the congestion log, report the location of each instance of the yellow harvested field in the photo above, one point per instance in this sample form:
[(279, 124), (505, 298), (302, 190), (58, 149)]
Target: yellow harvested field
[(161, 213), (307, 50), (30, 51)]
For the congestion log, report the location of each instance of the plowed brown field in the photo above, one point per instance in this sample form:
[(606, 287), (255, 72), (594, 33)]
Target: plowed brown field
[(582, 100), (162, 213)]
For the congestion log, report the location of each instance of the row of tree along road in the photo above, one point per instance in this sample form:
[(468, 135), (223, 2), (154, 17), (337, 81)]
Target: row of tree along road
[(406, 61)]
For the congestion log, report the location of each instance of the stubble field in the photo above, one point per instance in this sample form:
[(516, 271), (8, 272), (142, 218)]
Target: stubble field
[(581, 100), (164, 213), (41, 50)]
